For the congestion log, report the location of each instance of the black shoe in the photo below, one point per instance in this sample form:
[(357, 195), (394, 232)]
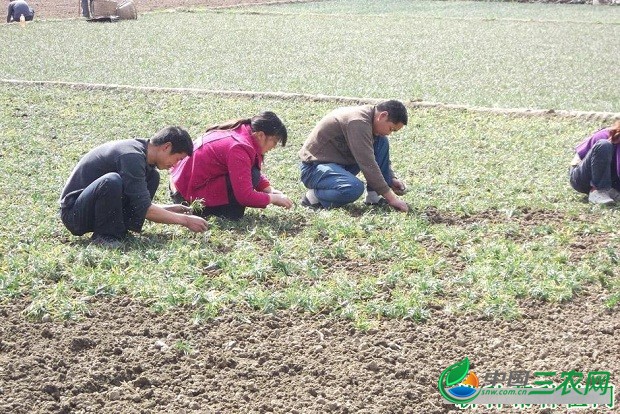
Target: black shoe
[(306, 203), (382, 202), (106, 240)]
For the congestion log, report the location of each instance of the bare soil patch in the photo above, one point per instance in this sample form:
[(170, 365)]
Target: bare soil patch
[(127, 359)]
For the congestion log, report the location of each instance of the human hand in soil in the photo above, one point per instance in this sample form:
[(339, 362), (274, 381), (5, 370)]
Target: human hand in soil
[(398, 186), (396, 202), (195, 224), (399, 205), (280, 199)]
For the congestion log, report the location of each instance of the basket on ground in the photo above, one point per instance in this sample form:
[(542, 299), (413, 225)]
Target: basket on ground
[(103, 8), (126, 10)]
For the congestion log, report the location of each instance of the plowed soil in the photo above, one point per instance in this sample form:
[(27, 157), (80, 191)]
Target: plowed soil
[(124, 358)]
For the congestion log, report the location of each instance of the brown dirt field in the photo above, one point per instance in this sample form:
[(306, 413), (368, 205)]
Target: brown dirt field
[(123, 359)]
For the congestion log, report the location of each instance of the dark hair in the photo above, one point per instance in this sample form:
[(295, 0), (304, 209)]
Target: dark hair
[(267, 122), (397, 113), (614, 132), (177, 136)]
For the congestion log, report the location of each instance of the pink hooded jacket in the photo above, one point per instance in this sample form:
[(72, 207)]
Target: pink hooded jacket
[(218, 154)]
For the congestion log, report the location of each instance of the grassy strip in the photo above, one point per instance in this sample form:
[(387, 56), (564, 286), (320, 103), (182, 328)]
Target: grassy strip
[(493, 219), (491, 63)]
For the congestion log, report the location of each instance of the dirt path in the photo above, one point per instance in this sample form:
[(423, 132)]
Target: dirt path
[(62, 9)]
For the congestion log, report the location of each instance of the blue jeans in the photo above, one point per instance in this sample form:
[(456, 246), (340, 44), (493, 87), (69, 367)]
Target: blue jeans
[(101, 209), (596, 169), (336, 185)]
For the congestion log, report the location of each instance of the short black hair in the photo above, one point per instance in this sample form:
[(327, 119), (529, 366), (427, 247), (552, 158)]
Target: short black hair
[(397, 112), (177, 136)]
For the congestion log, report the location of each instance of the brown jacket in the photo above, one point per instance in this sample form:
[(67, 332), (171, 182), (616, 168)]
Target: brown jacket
[(344, 136)]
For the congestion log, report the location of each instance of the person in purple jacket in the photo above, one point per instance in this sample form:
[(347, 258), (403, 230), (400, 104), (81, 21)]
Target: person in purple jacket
[(595, 170)]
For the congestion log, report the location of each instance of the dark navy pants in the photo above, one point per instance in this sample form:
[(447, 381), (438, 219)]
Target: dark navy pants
[(597, 169), (86, 8), (101, 207)]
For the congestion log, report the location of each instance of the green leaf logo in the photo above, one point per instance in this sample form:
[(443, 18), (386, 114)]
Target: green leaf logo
[(452, 375), (457, 372)]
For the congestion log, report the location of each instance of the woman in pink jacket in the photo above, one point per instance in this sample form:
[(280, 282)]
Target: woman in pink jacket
[(225, 168)]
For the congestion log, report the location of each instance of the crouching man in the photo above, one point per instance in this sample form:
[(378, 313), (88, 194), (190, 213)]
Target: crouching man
[(16, 9), (111, 189), (346, 141)]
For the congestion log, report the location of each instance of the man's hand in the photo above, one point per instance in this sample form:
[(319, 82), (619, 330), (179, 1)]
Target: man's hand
[(195, 224), (398, 186), (280, 199), (160, 214), (396, 202), (177, 208), (399, 205)]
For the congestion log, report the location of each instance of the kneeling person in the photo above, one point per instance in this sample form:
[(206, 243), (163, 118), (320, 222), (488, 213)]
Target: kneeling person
[(225, 171), (346, 141), (16, 9), (595, 169), (111, 189)]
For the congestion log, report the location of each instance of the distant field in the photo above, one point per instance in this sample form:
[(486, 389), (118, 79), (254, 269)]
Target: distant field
[(476, 10), (475, 53), (493, 220)]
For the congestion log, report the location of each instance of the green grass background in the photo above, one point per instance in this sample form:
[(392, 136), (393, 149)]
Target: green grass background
[(493, 221), (358, 262), (475, 53)]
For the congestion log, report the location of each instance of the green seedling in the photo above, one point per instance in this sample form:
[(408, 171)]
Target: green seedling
[(183, 347), (197, 206)]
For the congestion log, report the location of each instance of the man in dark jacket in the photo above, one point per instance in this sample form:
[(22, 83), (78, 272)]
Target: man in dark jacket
[(16, 9), (111, 189)]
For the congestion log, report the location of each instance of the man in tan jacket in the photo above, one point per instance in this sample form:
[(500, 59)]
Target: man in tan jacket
[(346, 141)]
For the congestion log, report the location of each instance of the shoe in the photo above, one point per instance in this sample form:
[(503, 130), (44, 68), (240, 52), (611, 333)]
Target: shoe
[(614, 194), (105, 240), (382, 202), (600, 197), (306, 203)]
